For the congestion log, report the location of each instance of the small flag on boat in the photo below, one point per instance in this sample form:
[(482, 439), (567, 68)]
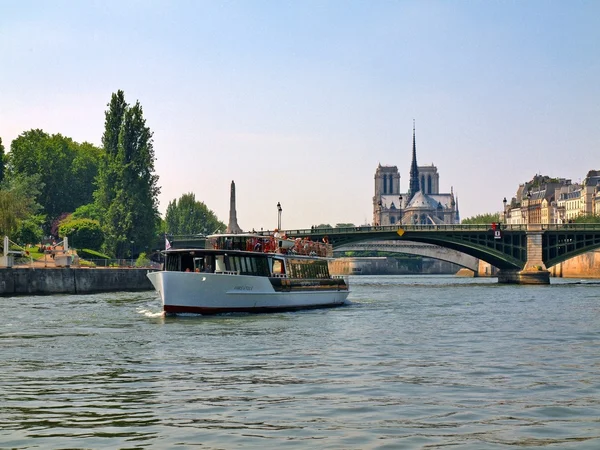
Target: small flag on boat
[(167, 244)]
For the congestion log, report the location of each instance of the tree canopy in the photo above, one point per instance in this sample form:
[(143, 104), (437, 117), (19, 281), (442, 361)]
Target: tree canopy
[(189, 216), (18, 201), (67, 169), (2, 160), (127, 193), (589, 218), (482, 219)]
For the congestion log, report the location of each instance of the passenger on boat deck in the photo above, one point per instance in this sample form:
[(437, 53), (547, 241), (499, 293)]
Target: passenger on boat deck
[(276, 235), (187, 269), (197, 269), (257, 246)]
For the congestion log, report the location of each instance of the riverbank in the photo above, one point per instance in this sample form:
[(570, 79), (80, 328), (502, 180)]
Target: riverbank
[(30, 281)]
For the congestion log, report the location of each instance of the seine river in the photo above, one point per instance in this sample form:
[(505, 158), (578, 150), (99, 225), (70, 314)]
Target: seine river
[(419, 362)]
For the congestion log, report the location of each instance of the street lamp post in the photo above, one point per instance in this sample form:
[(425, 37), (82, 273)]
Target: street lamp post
[(504, 202), (380, 205), (131, 253), (400, 206), (279, 209), (528, 207)]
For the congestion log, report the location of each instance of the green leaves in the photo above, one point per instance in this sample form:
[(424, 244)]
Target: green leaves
[(482, 219), (127, 194), (188, 216), (82, 233), (66, 169)]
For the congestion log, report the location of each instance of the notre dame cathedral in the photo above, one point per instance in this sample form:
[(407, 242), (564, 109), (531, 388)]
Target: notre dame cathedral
[(422, 204)]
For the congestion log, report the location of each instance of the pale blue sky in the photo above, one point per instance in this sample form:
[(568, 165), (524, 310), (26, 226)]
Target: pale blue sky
[(299, 101)]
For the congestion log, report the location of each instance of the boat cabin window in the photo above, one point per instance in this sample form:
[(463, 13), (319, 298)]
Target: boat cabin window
[(305, 268), (249, 265), (278, 267), (221, 263)]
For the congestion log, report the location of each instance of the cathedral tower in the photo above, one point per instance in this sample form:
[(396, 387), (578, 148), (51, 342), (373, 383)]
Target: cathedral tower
[(413, 186)]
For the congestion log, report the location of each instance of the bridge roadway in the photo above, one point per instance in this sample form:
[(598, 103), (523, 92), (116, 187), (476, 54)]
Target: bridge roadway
[(415, 248), (511, 248)]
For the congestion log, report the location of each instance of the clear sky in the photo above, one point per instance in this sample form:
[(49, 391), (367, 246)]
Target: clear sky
[(299, 101)]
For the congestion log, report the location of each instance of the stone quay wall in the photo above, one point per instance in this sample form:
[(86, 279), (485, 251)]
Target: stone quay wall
[(582, 266), (28, 281)]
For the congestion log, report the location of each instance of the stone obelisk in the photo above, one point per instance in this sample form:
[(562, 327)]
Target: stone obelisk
[(233, 226)]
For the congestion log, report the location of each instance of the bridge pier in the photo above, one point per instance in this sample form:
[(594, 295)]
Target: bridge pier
[(524, 277), (535, 271)]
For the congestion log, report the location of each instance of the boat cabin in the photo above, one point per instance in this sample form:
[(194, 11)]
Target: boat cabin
[(247, 254)]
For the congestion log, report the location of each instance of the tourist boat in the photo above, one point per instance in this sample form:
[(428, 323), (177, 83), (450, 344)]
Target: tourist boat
[(248, 272)]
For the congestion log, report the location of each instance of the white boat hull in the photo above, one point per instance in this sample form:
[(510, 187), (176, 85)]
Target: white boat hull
[(210, 293)]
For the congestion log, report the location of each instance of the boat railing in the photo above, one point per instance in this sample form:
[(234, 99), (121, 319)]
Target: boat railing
[(271, 244)]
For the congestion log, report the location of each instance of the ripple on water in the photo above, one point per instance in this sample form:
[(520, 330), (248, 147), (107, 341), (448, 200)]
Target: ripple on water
[(414, 362)]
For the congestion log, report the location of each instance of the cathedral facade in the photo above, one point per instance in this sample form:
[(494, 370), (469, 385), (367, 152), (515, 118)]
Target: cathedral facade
[(422, 204)]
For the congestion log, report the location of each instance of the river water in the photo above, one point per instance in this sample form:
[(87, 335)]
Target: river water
[(415, 362)]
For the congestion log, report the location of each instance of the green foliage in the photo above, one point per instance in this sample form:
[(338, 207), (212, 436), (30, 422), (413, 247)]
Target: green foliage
[(82, 233), (108, 169), (29, 231), (345, 225), (589, 218), (67, 169), (89, 211), (142, 260), (127, 185), (88, 253), (482, 219), (541, 180), (189, 216), (2, 161), (17, 201), (323, 225)]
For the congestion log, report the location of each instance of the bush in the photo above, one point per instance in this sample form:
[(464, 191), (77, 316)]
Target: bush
[(91, 254), (82, 233), (28, 232), (142, 260)]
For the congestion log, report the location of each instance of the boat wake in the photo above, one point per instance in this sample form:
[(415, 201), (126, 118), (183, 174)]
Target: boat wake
[(151, 314)]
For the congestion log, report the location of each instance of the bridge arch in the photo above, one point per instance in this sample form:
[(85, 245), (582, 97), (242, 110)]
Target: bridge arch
[(415, 248)]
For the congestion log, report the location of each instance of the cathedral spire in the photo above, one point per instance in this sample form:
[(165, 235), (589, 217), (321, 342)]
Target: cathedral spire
[(413, 187)]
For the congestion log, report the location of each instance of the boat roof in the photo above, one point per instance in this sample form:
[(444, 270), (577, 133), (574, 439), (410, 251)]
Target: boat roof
[(205, 251), (226, 235)]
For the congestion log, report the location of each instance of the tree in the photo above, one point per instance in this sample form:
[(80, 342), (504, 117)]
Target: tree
[(17, 201), (345, 225), (588, 218), (189, 216), (89, 211), (108, 170), (29, 231), (129, 185), (68, 169), (482, 219), (2, 159)]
